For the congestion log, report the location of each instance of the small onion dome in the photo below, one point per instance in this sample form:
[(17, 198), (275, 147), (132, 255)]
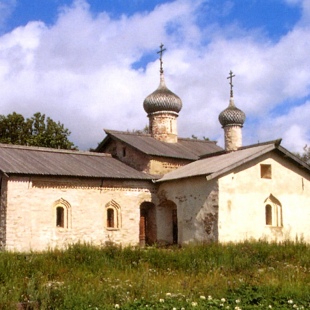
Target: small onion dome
[(232, 115), (162, 99)]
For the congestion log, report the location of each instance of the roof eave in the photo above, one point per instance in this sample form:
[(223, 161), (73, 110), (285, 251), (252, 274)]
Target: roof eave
[(293, 158), (111, 136), (103, 142), (239, 163), (146, 178)]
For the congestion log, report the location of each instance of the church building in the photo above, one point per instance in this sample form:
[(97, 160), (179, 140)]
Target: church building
[(154, 188)]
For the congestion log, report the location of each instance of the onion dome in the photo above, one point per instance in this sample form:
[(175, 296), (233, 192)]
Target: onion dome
[(162, 99), (232, 115)]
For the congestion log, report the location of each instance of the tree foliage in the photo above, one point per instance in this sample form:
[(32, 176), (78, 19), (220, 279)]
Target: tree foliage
[(35, 131), (305, 156), (196, 138), (145, 130)]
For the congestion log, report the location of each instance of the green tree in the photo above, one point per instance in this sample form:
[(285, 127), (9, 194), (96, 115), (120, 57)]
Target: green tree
[(35, 131), (196, 138), (305, 156), (145, 130)]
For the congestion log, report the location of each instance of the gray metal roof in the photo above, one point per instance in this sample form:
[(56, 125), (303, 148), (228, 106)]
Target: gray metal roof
[(189, 149), (217, 165), (44, 161)]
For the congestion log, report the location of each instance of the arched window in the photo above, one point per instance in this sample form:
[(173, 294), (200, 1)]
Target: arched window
[(110, 218), (268, 212), (62, 211), (273, 212), (60, 216), (112, 215)]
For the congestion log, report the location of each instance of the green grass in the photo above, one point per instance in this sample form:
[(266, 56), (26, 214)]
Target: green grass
[(249, 275)]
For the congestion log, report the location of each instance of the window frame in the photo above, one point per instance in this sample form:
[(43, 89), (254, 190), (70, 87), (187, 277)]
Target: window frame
[(65, 206), (266, 171), (114, 209), (275, 212)]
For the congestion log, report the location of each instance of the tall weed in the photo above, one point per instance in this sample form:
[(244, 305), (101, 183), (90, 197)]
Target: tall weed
[(248, 275)]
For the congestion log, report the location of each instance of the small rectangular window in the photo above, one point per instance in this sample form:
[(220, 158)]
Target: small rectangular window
[(265, 171)]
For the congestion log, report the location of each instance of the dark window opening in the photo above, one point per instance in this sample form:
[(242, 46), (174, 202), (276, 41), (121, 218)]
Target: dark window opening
[(110, 218), (268, 211), (60, 217), (265, 171), (174, 226)]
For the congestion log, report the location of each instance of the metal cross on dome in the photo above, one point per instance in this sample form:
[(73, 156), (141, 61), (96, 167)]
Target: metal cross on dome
[(231, 75), (160, 52)]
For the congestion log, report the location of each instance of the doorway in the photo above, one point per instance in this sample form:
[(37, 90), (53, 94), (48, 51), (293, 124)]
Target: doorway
[(147, 227)]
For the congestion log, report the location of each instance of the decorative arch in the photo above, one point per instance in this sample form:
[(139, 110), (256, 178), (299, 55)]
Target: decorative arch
[(273, 211), (112, 215), (168, 222), (62, 213)]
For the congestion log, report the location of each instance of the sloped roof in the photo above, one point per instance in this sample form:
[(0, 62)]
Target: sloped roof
[(52, 162), (214, 166), (189, 149)]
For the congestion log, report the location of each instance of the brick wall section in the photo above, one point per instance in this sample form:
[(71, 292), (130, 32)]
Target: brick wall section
[(142, 162), (128, 155), (163, 126)]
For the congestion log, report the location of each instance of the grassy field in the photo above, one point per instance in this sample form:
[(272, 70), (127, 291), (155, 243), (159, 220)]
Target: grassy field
[(233, 276)]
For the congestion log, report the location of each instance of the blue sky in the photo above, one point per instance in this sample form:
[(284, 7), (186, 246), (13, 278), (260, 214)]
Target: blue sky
[(90, 64)]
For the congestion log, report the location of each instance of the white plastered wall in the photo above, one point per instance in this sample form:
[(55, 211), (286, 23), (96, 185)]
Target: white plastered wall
[(242, 201), (197, 209)]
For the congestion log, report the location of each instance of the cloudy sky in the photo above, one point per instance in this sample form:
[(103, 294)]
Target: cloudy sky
[(90, 63)]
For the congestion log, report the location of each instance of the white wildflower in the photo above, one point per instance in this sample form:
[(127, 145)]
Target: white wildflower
[(209, 297), (194, 304), (202, 297), (161, 300), (223, 299), (116, 306)]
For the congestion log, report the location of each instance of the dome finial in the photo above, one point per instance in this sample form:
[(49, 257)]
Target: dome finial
[(231, 75), (160, 52)]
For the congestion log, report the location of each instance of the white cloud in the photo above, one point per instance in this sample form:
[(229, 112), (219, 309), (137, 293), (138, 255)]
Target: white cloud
[(79, 71)]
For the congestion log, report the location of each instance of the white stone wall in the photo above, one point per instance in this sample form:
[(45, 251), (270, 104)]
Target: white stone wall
[(197, 209), (242, 202), (31, 219)]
